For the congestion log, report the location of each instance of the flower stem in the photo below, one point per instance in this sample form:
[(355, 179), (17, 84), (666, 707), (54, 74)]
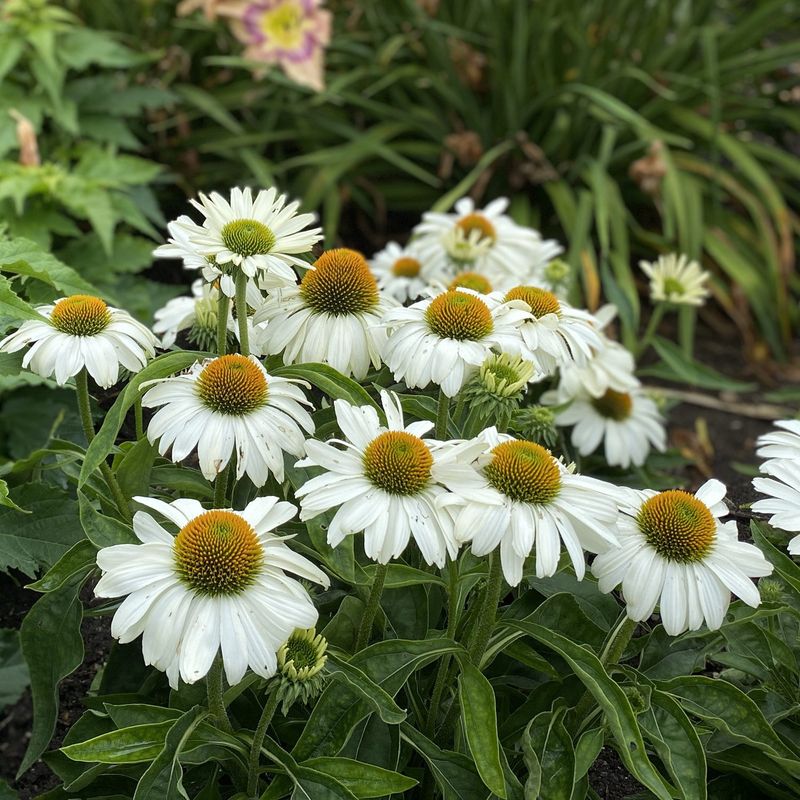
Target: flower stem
[(241, 312), (652, 327), (373, 602), (221, 487), (687, 316), (442, 415), (85, 411), (223, 308), (444, 665), (486, 616), (258, 740), (216, 700), (138, 419), (618, 639)]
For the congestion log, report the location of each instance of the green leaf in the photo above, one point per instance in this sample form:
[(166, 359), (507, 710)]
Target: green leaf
[(103, 531), (675, 739), (103, 443), (24, 257), (78, 560), (13, 669), (163, 779), (329, 381), (610, 698), (131, 745), (785, 566), (362, 779), (6, 501), (555, 755), (382, 702), (309, 784), (477, 701), (13, 306), (53, 648), (730, 710), (341, 708), (134, 467), (454, 773), (398, 576), (39, 537), (677, 367)]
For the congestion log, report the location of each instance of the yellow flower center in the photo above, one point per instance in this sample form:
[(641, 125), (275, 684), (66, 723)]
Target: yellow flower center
[(398, 462), (477, 222), (677, 525), (525, 472), (673, 287), (406, 267), (232, 385), (540, 300), (340, 284), (471, 280), (217, 553), (81, 315), (248, 237), (283, 26), (614, 405), (458, 315)]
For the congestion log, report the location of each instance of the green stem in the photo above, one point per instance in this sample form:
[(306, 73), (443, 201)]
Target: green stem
[(85, 411), (614, 647), (459, 410), (221, 486), (486, 616), (138, 418), (687, 316), (223, 309), (216, 692), (241, 312), (258, 740), (444, 665), (442, 415), (373, 602), (652, 327)]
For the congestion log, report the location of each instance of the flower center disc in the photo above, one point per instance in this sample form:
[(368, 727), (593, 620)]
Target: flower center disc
[(81, 315), (301, 652), (524, 471), (458, 315), (398, 462), (217, 553), (540, 300), (248, 237), (673, 287), (406, 267), (340, 284), (677, 526), (232, 385), (477, 222), (614, 405), (471, 280)]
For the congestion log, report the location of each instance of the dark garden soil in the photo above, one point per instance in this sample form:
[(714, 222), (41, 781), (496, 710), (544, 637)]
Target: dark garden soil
[(714, 440)]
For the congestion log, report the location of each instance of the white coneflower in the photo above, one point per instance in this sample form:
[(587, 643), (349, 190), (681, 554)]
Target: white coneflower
[(783, 490), (484, 240), (260, 237), (229, 404), (384, 483), (179, 245), (219, 585), (473, 281), (556, 333), (332, 317), (610, 368), (444, 339), (676, 279), (401, 272), (676, 553), (529, 501), (628, 424), (82, 331)]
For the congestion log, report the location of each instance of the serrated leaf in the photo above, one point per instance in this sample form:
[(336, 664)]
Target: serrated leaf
[(30, 541), (24, 257)]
